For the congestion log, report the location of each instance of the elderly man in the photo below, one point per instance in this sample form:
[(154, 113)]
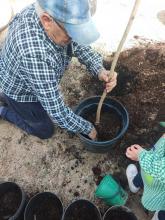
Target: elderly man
[(40, 44)]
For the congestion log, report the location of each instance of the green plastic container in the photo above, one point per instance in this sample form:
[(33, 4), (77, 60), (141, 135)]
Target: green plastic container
[(111, 192), (162, 123)]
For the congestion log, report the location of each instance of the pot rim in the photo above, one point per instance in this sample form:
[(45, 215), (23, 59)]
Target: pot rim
[(122, 130), (81, 199), (40, 194), (23, 199), (118, 206)]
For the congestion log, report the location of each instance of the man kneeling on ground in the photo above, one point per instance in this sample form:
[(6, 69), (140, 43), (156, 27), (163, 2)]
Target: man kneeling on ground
[(40, 44)]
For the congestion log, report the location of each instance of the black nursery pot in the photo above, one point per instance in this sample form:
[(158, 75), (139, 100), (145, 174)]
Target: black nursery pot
[(89, 106), (119, 213), (44, 206), (12, 201), (81, 209)]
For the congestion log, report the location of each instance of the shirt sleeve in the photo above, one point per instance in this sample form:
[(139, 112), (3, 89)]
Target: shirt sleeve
[(153, 161), (91, 59), (44, 84)]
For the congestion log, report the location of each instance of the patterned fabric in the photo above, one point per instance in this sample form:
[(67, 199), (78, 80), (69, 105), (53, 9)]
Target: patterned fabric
[(32, 65), (153, 173)]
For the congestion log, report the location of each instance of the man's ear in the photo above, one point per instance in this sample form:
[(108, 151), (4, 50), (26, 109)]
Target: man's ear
[(46, 21)]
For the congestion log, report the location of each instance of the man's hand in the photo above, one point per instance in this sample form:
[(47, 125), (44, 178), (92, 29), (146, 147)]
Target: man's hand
[(93, 134), (110, 84), (133, 151)]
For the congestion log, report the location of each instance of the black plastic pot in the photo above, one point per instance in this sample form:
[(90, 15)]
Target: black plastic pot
[(81, 209), (90, 105), (45, 206), (12, 201), (119, 213)]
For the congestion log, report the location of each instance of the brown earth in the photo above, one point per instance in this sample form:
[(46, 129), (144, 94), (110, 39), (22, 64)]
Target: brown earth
[(62, 164)]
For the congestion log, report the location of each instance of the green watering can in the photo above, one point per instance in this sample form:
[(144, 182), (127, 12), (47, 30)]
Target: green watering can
[(111, 192)]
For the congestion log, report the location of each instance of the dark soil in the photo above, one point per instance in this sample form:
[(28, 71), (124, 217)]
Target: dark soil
[(109, 126), (81, 211), (97, 174), (119, 215), (9, 204), (76, 194), (96, 171), (98, 180), (47, 210), (126, 81)]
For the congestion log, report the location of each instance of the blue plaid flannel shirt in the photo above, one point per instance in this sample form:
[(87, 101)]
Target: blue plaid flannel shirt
[(31, 67)]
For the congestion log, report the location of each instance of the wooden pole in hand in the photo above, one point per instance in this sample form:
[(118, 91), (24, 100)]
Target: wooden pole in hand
[(111, 73)]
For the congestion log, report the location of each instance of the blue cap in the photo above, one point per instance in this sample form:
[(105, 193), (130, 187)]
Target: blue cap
[(76, 17)]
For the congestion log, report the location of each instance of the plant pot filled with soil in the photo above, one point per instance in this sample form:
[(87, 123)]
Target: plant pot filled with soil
[(119, 213), (81, 209), (12, 201), (44, 206), (113, 124)]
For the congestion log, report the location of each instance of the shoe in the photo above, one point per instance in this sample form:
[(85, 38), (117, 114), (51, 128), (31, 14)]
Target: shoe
[(131, 172), (155, 217)]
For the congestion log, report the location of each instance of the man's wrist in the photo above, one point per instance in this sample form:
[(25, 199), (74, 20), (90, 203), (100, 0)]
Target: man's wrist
[(88, 128), (92, 127), (100, 72)]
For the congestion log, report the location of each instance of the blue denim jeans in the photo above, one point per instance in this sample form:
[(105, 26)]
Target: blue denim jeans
[(138, 182), (29, 116)]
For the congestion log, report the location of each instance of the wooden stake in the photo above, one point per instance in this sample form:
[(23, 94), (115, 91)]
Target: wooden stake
[(111, 73)]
